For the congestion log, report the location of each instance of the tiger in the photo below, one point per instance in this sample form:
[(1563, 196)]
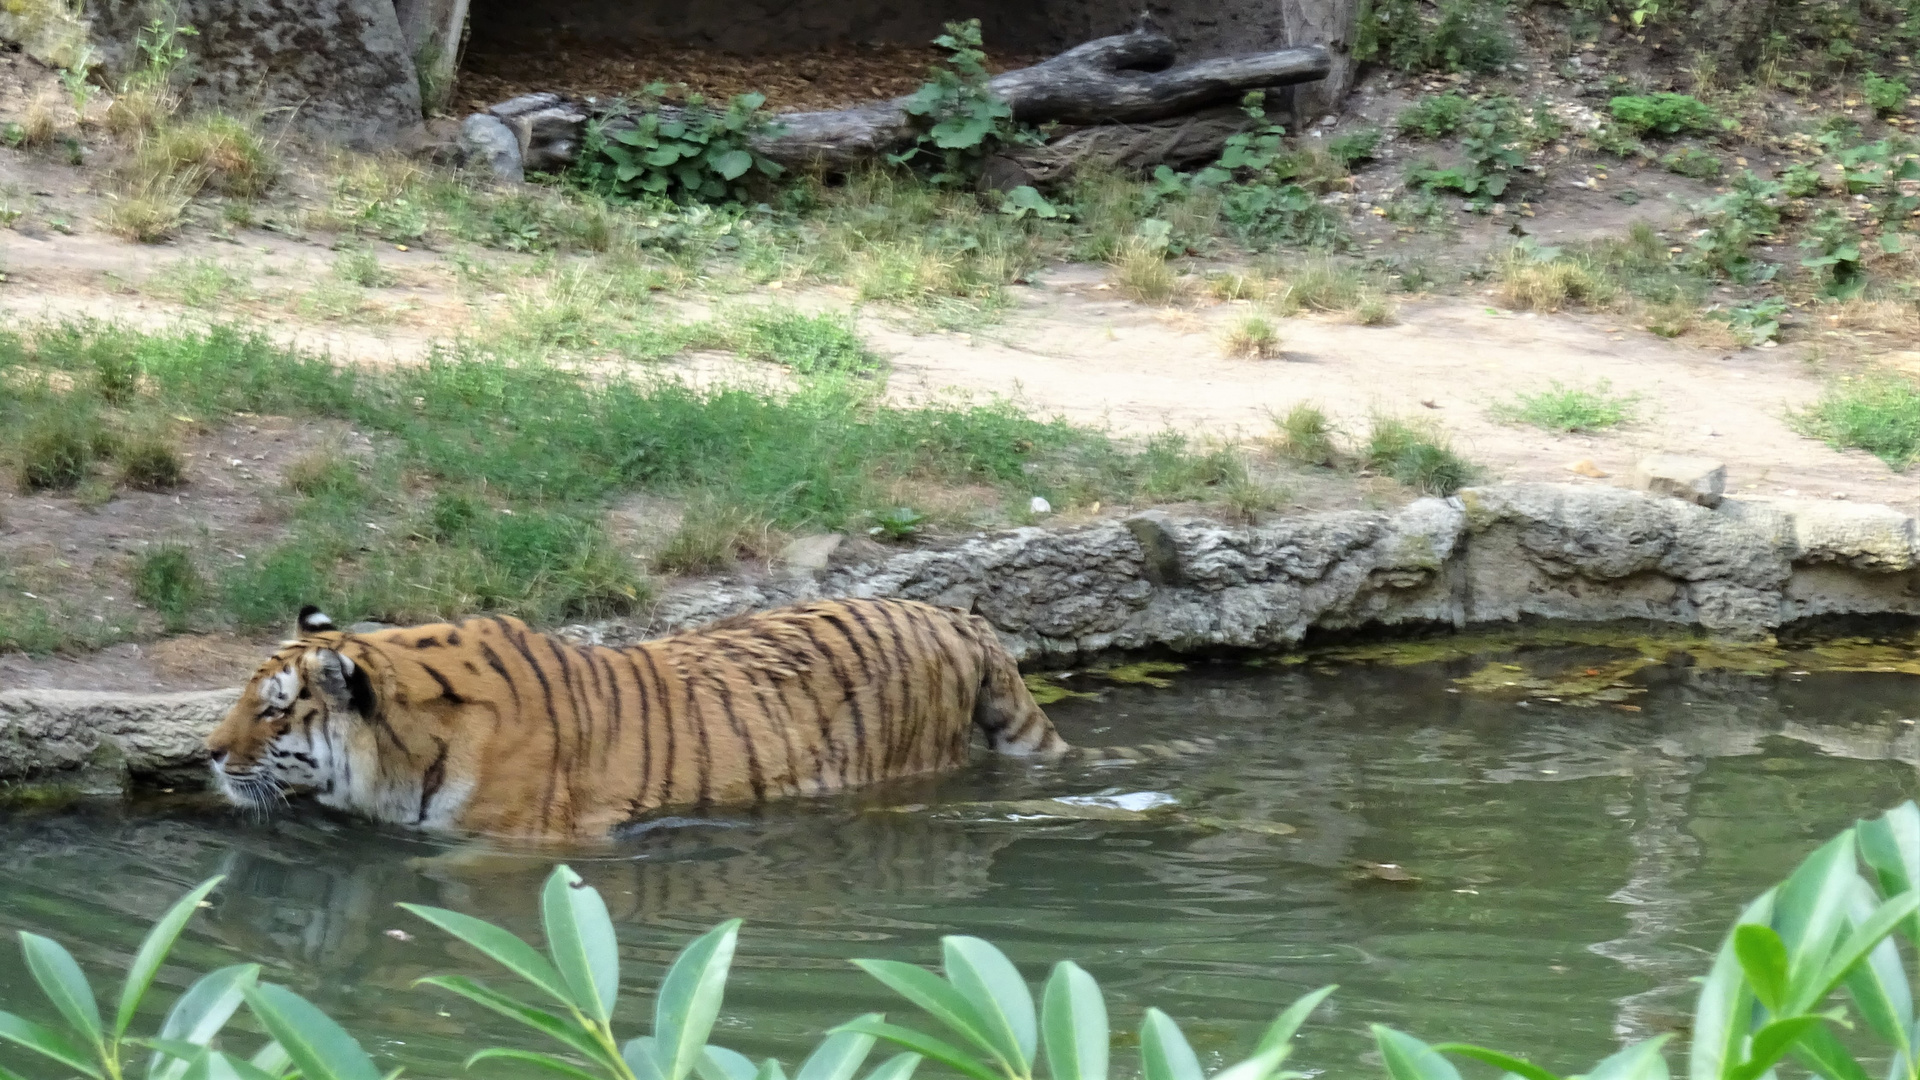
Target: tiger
[(490, 728)]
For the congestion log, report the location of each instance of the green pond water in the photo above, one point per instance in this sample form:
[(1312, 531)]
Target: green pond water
[(1575, 866)]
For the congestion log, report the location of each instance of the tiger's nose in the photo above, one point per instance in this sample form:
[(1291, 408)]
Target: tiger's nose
[(219, 758)]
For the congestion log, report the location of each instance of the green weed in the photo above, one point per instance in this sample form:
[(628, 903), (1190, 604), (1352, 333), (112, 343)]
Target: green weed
[(1880, 415), (1417, 455), (167, 581), (358, 266), (1565, 408), (1434, 116), (1664, 114), (810, 344), (1305, 436)]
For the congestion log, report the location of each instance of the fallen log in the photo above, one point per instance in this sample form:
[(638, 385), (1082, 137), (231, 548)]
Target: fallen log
[(1128, 79)]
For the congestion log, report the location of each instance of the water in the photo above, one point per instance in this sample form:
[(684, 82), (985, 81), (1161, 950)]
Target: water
[(1576, 866)]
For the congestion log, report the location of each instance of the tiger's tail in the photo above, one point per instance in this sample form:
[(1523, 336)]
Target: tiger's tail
[(1005, 710), (1169, 750)]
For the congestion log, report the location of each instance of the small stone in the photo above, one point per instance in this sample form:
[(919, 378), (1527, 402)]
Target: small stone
[(1585, 467), (1038, 505), (488, 139), (1695, 479), (811, 552)]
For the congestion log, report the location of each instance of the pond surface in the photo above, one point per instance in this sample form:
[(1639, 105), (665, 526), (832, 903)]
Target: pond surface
[(1576, 866)]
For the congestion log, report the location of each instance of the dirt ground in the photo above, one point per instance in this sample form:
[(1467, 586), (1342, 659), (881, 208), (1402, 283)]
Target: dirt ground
[(1070, 345)]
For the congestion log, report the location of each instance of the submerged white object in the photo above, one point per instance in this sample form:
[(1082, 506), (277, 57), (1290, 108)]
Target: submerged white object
[(1039, 505), (1132, 801)]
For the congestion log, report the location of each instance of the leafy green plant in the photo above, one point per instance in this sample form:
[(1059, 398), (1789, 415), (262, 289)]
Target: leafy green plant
[(899, 523), (1354, 147), (1694, 162), (1664, 114), (1455, 35), (1569, 408), (1756, 323), (1305, 436), (690, 154), (303, 1040), (1886, 95), (960, 120), (1490, 143), (1833, 246), (1434, 116), (1748, 212), (810, 344)]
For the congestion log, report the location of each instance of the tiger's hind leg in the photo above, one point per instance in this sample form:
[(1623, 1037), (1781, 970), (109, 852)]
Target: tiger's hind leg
[(1006, 712)]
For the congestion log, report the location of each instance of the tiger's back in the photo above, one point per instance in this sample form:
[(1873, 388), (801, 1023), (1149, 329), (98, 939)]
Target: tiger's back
[(488, 726)]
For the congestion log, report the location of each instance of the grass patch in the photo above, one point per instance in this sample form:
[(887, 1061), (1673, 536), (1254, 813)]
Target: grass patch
[(1530, 280), (1305, 436), (1569, 408), (358, 266), (809, 344), (496, 468), (1253, 337), (1140, 272), (167, 581), (1878, 414), (1417, 455)]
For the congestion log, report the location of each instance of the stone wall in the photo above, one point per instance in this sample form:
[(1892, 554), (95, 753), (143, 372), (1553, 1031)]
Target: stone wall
[(1489, 557)]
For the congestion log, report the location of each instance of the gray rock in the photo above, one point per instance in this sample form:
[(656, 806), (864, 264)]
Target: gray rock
[(1695, 479), (336, 69), (1484, 558), (489, 141), (811, 553), (525, 103)]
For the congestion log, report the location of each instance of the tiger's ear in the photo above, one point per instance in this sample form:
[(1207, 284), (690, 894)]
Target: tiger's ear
[(313, 621), (340, 677)]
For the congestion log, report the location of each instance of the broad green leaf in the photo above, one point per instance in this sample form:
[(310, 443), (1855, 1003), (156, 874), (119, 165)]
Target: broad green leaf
[(61, 979), (1407, 1058), (1771, 1043), (545, 1062), (990, 982), (46, 1041), (202, 1011), (580, 937), (178, 1050), (838, 1056), (643, 1057), (318, 1046), (1509, 1063), (153, 950), (1164, 1052), (897, 1067), (271, 1058), (720, 1063), (1820, 1050), (934, 995), (1260, 1066), (1890, 846), (1721, 1013), (690, 998), (538, 1019), (213, 1065), (1854, 948), (770, 1070), (926, 1046), (1641, 1061), (1073, 1025), (503, 946), (732, 163), (1763, 959), (1811, 909), (1280, 1033)]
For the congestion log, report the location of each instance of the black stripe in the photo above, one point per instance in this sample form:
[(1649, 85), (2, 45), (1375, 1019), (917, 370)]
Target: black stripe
[(866, 678), (646, 720), (666, 724), (446, 688), (553, 721), (436, 775), (755, 778), (846, 694), (500, 668), (699, 722)]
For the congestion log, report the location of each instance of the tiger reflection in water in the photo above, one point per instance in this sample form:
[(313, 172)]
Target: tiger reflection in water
[(814, 868)]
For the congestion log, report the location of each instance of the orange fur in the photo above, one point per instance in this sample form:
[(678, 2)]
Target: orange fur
[(489, 727)]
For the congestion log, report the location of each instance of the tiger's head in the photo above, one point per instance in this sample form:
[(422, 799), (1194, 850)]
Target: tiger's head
[(294, 728)]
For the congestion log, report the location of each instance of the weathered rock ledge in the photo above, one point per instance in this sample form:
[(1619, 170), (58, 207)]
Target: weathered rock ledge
[(1486, 557)]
